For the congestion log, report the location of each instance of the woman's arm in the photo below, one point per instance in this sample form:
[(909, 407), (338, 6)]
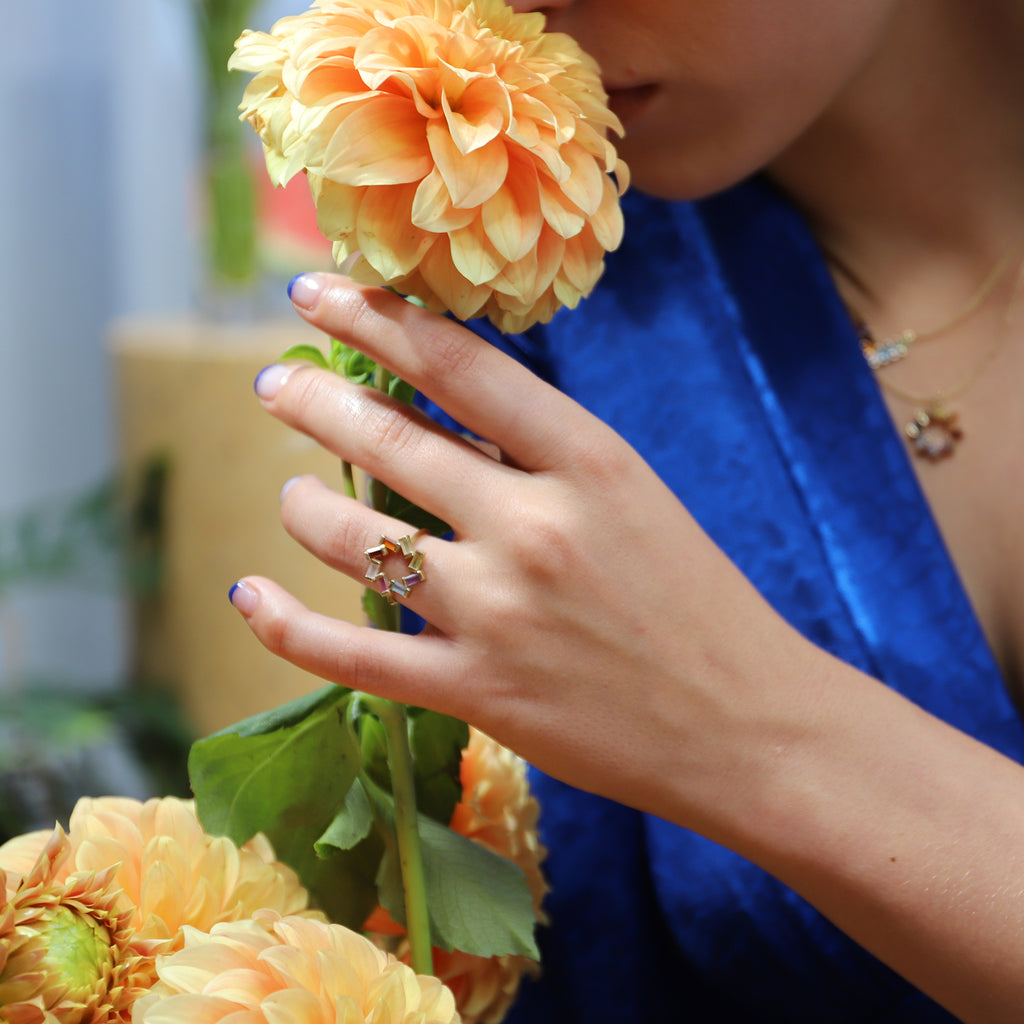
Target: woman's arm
[(582, 618)]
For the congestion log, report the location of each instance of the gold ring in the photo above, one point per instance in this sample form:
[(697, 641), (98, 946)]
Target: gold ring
[(394, 587)]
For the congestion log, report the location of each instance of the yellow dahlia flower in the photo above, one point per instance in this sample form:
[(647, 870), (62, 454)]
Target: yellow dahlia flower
[(170, 873), (68, 953), (275, 969), (453, 144), (497, 811)]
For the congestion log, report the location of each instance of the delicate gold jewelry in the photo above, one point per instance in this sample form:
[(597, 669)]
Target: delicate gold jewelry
[(880, 354), (393, 587), (934, 429)]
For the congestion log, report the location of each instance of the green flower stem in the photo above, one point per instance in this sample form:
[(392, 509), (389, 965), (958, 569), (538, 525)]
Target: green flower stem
[(403, 783), (348, 477), (417, 922), (382, 379), (386, 616)]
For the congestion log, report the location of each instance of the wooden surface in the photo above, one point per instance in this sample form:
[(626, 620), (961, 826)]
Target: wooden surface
[(184, 390)]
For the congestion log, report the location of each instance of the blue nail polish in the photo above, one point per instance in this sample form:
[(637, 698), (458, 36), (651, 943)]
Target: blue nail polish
[(288, 485), (256, 382), (304, 290), (271, 379), (243, 597)]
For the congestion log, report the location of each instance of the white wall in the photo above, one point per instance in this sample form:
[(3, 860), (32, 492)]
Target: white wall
[(98, 219), (95, 184)]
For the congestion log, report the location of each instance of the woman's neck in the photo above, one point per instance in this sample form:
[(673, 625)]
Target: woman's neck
[(920, 162)]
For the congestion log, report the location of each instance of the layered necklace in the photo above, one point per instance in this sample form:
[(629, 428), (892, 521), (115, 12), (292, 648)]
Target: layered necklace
[(933, 430)]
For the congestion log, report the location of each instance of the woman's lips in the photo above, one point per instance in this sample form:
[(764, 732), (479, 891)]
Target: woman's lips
[(629, 103)]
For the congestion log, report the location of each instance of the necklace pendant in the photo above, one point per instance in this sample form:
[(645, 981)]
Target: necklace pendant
[(885, 353), (934, 432)]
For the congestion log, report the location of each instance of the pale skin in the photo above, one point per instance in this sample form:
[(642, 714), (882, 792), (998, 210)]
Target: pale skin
[(896, 125)]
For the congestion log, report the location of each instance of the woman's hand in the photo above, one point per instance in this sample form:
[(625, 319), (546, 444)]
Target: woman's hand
[(582, 618), (579, 615)]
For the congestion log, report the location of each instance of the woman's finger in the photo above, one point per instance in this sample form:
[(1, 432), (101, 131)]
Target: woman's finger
[(392, 665), (482, 388), (339, 531), (392, 441)]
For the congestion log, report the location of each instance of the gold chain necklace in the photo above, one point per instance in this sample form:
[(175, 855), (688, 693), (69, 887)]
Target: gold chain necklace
[(934, 429), (880, 354)]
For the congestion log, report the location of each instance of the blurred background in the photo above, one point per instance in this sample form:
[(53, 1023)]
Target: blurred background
[(138, 477)]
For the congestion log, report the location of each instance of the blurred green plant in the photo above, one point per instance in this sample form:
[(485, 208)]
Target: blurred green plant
[(230, 186), (60, 740)]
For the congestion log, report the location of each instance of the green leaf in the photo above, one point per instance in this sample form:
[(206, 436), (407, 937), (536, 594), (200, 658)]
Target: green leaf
[(351, 825), (478, 902), (373, 746), (357, 366), (437, 742), (309, 353), (286, 773)]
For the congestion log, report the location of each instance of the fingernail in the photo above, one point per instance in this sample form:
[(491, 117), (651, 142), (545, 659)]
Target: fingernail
[(304, 290), (243, 597), (288, 485), (271, 379)]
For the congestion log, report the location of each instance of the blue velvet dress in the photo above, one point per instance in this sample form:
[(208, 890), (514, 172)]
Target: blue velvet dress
[(717, 346)]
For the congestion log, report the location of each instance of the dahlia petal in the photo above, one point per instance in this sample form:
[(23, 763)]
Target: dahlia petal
[(485, 110), (455, 293), (337, 206), (585, 184), (191, 974), (242, 985), (474, 256), (512, 218), (548, 153), (471, 178), (325, 82), (579, 266), (19, 854), (361, 271), (240, 1017), (293, 964), (294, 1007), (607, 222), (438, 94), (255, 51), (337, 974), (432, 207), (391, 995), (162, 895), (183, 1008), (379, 144), (397, 251), (561, 214), (528, 278), (97, 851), (348, 1011), (117, 816), (221, 863)]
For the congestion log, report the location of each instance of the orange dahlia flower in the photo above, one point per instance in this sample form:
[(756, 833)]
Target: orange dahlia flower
[(497, 811), (170, 873), (68, 953), (459, 149), (273, 969)]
